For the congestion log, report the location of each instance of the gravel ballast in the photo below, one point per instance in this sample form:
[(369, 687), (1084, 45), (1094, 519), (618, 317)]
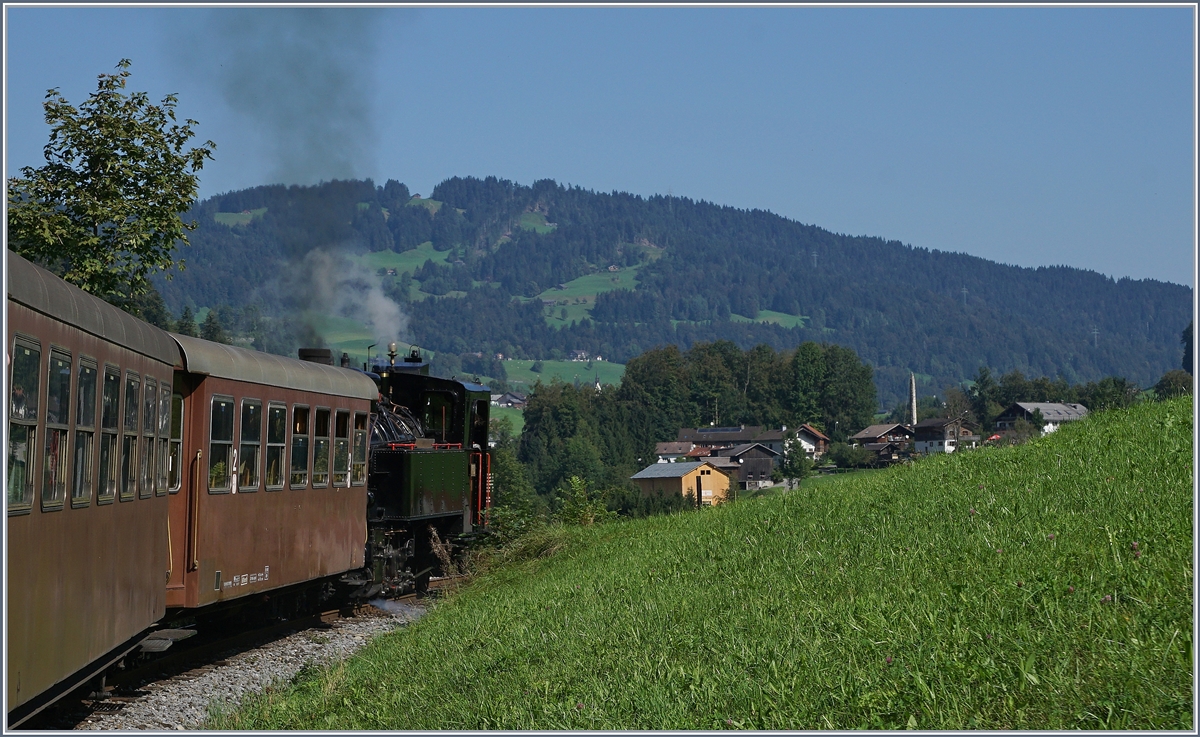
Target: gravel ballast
[(185, 702)]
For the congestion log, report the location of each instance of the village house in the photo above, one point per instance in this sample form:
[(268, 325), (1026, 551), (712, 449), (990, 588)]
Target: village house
[(668, 452), (699, 480), (509, 399), (719, 437), (944, 435), (1054, 415), (889, 443), (754, 462)]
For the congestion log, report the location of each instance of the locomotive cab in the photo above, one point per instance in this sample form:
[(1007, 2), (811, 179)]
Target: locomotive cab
[(429, 479)]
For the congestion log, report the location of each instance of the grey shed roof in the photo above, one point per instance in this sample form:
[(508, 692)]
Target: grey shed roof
[(39, 290), (241, 364), (738, 450), (667, 470), (1055, 412)]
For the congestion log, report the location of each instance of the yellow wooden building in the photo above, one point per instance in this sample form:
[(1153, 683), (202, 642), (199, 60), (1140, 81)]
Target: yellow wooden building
[(694, 480)]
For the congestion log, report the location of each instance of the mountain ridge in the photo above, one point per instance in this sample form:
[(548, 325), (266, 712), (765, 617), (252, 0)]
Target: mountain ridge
[(902, 307)]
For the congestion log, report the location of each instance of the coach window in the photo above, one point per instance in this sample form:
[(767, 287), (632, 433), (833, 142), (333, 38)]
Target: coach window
[(149, 424), (220, 446), (110, 417), (249, 455), (164, 431), (358, 465), (276, 445), (341, 448), (133, 393), (58, 409), (22, 421), (175, 464), (320, 470), (299, 478), (85, 433)]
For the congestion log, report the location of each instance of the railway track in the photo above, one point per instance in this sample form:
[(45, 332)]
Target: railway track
[(183, 679)]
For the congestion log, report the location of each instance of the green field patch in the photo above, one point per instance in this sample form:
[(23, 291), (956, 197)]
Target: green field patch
[(1047, 586), (779, 318), (516, 416), (578, 296), (432, 205), (536, 222), (239, 218), (404, 261), (522, 378)]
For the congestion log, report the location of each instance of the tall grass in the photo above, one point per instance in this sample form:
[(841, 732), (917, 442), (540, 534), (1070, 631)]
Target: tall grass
[(1043, 586)]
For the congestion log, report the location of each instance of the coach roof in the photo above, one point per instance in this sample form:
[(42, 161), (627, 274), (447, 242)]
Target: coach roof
[(241, 364), (41, 291)]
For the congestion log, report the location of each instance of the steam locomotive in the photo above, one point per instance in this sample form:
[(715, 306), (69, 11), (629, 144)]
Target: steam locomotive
[(157, 480)]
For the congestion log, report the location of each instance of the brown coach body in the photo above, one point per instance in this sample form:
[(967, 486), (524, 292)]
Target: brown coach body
[(274, 488), (86, 533)]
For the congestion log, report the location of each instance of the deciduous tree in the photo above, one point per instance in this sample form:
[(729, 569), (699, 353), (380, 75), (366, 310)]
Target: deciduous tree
[(105, 210)]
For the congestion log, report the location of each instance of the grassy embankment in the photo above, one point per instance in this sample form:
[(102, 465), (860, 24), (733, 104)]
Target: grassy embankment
[(1044, 586)]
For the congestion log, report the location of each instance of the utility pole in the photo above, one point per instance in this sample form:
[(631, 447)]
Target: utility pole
[(1096, 337), (964, 293), (814, 255)]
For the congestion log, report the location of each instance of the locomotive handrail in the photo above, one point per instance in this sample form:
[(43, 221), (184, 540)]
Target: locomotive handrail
[(447, 446), (194, 562)]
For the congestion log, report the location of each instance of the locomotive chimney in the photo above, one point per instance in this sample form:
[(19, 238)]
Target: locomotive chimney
[(345, 360), (317, 355)]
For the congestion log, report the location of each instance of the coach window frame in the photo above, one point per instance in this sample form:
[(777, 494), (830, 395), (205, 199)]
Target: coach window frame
[(83, 465), (57, 432), (317, 453), (30, 470), (146, 481), (307, 438), (175, 443), (358, 449), (214, 442), (280, 447), (342, 450), (256, 444), (127, 481), (161, 473), (108, 478)]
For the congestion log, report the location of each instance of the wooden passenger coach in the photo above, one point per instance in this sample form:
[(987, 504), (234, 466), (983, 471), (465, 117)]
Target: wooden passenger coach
[(273, 484), (88, 389)]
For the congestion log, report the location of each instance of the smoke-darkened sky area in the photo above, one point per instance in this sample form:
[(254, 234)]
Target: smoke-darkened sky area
[(1032, 136)]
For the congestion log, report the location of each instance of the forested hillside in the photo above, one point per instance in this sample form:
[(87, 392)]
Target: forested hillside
[(693, 271)]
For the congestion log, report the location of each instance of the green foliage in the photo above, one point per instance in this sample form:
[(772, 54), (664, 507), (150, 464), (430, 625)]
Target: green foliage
[(211, 328), (1016, 320), (849, 456), (1174, 383), (104, 211), (1186, 340), (1047, 586), (606, 437), (583, 507), (187, 323)]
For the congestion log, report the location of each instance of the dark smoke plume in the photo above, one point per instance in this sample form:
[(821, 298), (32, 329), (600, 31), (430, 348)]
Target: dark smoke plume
[(304, 76)]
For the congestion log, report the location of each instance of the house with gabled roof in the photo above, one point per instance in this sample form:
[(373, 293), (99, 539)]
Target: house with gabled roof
[(701, 482), (1054, 414)]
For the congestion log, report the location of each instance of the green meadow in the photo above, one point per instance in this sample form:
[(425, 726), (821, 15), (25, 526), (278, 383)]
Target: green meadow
[(536, 222), (779, 318), (1046, 586), (516, 416), (522, 378), (580, 294), (404, 261), (239, 218)]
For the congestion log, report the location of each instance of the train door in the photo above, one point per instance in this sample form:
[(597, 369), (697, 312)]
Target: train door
[(182, 489)]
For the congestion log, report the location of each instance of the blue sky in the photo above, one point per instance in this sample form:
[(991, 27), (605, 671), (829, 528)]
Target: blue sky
[(1031, 136)]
